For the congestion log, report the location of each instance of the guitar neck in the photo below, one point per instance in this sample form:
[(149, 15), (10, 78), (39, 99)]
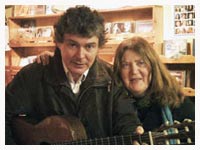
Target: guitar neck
[(115, 140), (152, 138)]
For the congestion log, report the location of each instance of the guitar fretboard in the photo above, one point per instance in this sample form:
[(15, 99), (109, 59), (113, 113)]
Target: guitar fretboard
[(115, 140), (149, 137)]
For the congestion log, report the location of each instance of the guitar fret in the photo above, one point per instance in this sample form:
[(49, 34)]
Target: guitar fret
[(102, 141), (131, 139), (115, 140), (79, 142), (127, 140), (91, 142), (122, 138), (108, 140), (95, 141)]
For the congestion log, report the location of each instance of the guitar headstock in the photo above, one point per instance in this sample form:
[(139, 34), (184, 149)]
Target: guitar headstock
[(178, 133)]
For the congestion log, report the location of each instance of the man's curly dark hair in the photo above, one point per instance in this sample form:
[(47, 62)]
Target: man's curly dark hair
[(80, 20)]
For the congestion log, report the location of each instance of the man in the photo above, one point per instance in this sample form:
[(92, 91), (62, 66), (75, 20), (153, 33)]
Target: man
[(74, 83)]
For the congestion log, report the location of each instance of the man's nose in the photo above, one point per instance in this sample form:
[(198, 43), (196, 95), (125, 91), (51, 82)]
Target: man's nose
[(81, 52)]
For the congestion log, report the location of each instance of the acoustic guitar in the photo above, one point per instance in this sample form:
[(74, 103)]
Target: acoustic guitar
[(69, 130)]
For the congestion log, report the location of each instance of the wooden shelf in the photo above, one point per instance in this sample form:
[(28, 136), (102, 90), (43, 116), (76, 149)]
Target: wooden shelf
[(42, 44), (185, 59), (36, 16)]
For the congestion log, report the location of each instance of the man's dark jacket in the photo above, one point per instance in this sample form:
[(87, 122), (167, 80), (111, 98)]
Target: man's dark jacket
[(41, 91)]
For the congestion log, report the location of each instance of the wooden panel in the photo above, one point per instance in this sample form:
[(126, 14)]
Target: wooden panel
[(127, 14), (107, 57)]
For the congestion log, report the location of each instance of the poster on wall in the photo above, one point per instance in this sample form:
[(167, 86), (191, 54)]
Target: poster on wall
[(184, 19)]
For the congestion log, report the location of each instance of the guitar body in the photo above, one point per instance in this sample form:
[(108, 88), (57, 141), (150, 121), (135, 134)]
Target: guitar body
[(53, 129)]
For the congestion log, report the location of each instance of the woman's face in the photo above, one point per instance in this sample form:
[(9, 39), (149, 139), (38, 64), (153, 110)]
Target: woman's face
[(135, 73)]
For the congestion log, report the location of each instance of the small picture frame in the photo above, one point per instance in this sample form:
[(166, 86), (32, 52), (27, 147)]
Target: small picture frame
[(119, 27), (46, 31), (175, 48), (44, 34)]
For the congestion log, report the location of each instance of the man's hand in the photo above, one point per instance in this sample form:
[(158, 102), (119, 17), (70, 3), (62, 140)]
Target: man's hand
[(44, 57)]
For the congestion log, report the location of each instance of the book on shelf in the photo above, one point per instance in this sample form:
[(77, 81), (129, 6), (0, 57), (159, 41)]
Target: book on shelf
[(26, 31), (193, 47), (174, 48), (180, 76), (24, 10)]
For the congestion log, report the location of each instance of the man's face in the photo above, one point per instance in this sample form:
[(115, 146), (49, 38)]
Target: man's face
[(78, 53)]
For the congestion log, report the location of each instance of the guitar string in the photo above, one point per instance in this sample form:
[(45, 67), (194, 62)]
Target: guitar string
[(109, 141), (145, 136), (171, 136), (124, 139)]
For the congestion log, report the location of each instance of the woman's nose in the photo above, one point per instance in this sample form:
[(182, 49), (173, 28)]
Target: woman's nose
[(134, 68)]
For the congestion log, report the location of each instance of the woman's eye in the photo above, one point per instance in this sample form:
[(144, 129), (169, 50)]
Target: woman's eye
[(141, 63), (125, 65)]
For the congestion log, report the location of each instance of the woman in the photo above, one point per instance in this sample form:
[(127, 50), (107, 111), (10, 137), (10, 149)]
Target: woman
[(155, 93)]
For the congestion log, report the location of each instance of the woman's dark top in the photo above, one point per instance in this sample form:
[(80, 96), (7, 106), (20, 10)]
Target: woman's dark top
[(151, 117)]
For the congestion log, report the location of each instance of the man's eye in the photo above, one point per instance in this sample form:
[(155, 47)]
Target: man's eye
[(90, 46), (72, 45)]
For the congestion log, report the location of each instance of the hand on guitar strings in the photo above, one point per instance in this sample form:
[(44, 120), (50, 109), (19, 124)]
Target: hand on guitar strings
[(139, 130)]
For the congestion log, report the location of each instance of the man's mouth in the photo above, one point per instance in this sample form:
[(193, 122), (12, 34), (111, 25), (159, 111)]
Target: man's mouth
[(78, 64)]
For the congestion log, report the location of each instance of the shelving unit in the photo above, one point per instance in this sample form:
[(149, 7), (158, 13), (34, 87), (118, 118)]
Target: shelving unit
[(187, 63), (133, 14), (23, 47)]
